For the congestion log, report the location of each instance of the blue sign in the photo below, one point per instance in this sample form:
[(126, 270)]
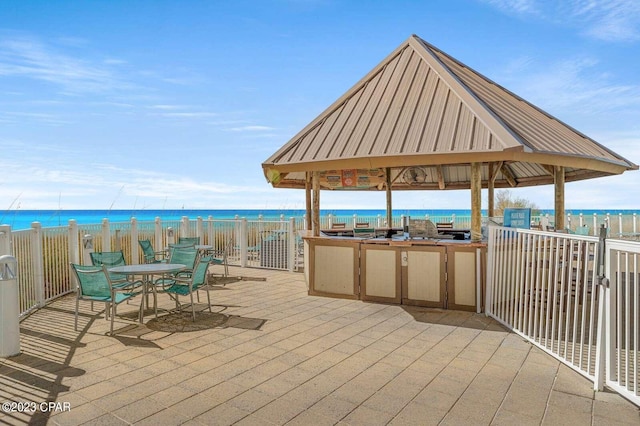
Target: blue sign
[(517, 218)]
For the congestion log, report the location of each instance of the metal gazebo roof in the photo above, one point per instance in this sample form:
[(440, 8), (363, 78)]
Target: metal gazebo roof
[(426, 117)]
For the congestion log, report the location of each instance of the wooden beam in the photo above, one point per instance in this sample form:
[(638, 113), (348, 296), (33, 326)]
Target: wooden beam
[(508, 175), (307, 193), (315, 186), (389, 206), (476, 202), (558, 178), (398, 175), (490, 187), (494, 168), (441, 183)]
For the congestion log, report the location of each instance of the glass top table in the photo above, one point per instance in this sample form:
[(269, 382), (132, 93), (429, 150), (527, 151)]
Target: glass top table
[(147, 270)]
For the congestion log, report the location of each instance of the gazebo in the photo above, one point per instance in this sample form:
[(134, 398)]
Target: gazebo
[(422, 120)]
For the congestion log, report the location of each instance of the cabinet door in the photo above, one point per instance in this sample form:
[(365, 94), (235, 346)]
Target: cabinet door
[(333, 268), (379, 273), (465, 273), (423, 276)]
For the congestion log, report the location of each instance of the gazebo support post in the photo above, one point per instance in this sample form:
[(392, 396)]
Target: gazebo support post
[(493, 173), (476, 202), (558, 181), (389, 207), (315, 183), (307, 193)]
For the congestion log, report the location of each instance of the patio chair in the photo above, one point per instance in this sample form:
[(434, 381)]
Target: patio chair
[(187, 286), (96, 285), (185, 256), (189, 240), (582, 230), (222, 257), (150, 255), (109, 259)]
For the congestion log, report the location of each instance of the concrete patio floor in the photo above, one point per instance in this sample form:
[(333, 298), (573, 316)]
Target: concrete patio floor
[(273, 355)]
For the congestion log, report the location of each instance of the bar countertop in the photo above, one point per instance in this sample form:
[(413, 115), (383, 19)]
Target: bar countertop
[(395, 241)]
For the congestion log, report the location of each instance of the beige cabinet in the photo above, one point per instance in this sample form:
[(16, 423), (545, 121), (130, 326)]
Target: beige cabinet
[(432, 273)]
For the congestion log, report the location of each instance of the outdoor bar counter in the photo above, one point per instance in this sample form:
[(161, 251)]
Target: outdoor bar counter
[(437, 273)]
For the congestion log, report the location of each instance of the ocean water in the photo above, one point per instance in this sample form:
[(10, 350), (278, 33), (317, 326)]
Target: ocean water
[(22, 219)]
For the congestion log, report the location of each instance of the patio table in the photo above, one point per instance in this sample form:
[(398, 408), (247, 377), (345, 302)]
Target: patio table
[(146, 271)]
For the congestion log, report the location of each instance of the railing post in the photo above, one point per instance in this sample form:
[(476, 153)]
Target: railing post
[(171, 237), (292, 245), (184, 226), (379, 221), (581, 220), (135, 254), (453, 219), (355, 219), (568, 221), (491, 247), (5, 239), (9, 307), (87, 248), (36, 259), (106, 235), (243, 242), (604, 326), (634, 224), (210, 233), (74, 247), (200, 229), (158, 244), (620, 224), (595, 224)]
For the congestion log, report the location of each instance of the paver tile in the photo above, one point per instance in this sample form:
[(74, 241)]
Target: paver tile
[(286, 357)]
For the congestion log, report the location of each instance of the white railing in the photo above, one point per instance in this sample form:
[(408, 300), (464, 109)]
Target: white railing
[(617, 225), (545, 287), (44, 254), (622, 319), (542, 285)]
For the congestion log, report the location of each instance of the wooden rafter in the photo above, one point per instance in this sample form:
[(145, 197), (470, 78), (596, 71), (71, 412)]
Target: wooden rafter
[(508, 175), (494, 168), (548, 168), (441, 183)]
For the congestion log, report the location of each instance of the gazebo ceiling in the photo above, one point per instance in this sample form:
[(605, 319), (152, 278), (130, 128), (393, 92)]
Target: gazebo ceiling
[(425, 116)]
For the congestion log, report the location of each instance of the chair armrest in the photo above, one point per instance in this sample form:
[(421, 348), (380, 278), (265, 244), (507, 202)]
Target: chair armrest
[(126, 285)]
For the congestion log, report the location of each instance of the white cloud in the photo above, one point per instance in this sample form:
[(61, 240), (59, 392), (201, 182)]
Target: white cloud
[(194, 114), (30, 58), (515, 6), (168, 107), (570, 86), (250, 129), (609, 20), (100, 185)]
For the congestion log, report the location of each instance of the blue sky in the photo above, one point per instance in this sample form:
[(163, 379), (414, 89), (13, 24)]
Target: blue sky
[(175, 104)]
